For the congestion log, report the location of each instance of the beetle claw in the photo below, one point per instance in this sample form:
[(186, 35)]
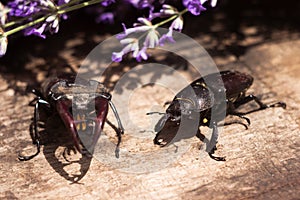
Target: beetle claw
[(279, 104), (25, 158), (217, 158)]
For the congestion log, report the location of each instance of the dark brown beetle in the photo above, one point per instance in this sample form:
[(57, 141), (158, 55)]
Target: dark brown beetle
[(192, 107), (89, 100)]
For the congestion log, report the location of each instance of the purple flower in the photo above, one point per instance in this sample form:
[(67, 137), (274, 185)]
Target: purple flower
[(177, 24), (135, 29), (151, 40), (148, 30), (51, 24), (194, 6), (24, 8), (131, 45), (142, 55), (21, 8), (117, 56), (28, 8), (168, 10), (141, 4), (165, 11), (3, 42), (107, 17), (167, 37), (3, 13), (106, 3), (213, 3), (61, 2), (36, 31)]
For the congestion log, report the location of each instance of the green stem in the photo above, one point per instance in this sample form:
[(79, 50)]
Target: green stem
[(60, 10), (163, 22), (72, 2), (78, 6), (22, 27), (171, 18)]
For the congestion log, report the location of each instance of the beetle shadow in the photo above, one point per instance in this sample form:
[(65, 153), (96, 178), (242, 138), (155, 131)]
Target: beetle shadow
[(60, 152)]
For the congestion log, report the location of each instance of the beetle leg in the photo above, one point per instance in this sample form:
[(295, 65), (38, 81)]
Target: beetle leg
[(120, 128), (231, 111), (34, 130), (211, 147), (262, 106), (201, 137), (236, 122), (240, 115)]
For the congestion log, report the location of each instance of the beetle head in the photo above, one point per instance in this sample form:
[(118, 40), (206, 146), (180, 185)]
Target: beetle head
[(174, 128), (167, 128)]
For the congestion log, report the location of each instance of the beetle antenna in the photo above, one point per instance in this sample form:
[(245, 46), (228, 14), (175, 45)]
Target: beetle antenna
[(120, 126), (151, 113), (120, 130)]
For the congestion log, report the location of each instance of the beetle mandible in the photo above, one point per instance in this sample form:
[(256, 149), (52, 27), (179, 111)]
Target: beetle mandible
[(62, 95), (193, 108)]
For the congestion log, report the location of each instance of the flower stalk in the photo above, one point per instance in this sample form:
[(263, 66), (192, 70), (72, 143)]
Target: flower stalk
[(36, 17)]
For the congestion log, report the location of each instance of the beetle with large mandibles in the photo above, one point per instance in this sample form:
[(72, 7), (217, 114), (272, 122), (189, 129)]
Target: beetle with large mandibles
[(192, 107), (82, 105)]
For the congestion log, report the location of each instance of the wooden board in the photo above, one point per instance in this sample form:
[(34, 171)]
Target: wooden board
[(262, 162)]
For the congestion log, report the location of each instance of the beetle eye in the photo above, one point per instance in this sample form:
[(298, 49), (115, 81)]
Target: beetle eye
[(186, 112)]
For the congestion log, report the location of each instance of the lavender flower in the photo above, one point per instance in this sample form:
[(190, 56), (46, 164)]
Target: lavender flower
[(28, 8), (167, 37), (177, 24), (194, 6), (151, 36), (24, 8), (37, 17), (36, 31), (3, 42), (132, 44), (141, 4), (51, 24), (136, 29), (106, 17), (3, 38), (213, 3), (61, 2), (142, 55), (3, 13), (106, 3), (151, 39)]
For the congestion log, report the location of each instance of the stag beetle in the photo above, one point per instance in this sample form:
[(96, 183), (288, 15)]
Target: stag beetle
[(192, 107), (62, 95)]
